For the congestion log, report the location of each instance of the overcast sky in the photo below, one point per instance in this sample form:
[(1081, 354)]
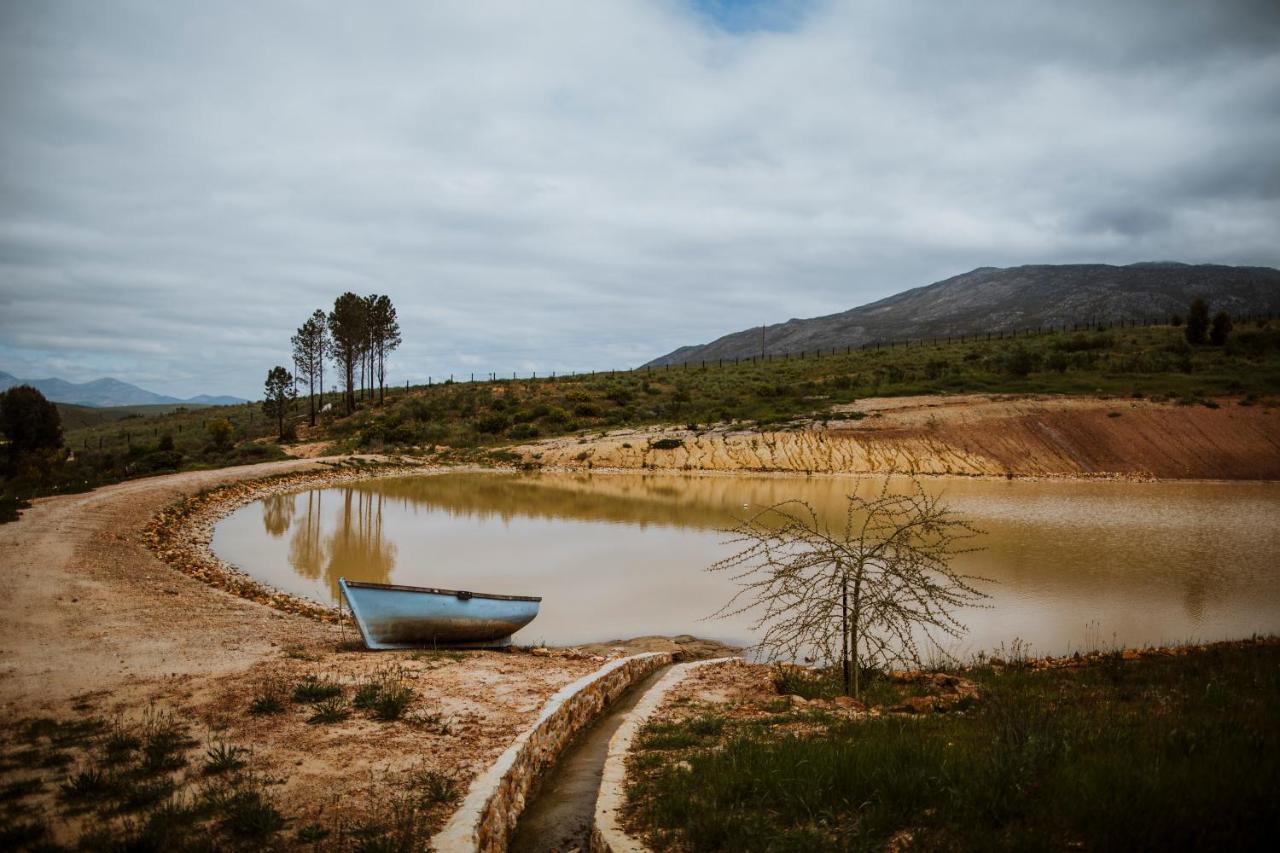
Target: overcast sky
[(563, 185)]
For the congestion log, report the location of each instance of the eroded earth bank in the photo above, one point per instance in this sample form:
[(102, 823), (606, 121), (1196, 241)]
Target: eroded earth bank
[(973, 435)]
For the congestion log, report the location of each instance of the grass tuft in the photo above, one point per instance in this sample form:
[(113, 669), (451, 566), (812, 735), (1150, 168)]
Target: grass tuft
[(332, 710), (314, 688), (222, 758)]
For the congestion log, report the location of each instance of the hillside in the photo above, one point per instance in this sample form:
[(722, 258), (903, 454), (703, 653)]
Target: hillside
[(989, 299), (108, 392)]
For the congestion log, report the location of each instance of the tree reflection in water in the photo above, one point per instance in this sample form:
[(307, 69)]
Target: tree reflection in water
[(356, 548), (277, 513)]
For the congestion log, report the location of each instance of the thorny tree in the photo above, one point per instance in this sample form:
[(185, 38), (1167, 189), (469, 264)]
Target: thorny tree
[(869, 593)]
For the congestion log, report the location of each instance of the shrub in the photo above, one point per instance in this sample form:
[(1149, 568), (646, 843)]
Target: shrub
[(523, 431), (667, 444), (220, 433)]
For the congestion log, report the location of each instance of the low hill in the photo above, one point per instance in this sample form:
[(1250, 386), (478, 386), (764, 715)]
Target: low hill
[(82, 417), (107, 392), (991, 299)]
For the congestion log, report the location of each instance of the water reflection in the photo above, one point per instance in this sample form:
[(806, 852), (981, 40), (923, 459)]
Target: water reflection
[(355, 547), (623, 555)]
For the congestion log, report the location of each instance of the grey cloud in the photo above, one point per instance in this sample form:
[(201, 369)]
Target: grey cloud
[(561, 185)]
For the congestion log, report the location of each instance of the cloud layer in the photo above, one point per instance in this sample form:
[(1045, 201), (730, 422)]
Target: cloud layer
[(566, 185)]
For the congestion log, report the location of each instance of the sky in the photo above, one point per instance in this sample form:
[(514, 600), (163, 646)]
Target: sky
[(567, 185)]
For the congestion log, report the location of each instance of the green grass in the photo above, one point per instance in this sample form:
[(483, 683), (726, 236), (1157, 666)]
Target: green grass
[(1160, 753)]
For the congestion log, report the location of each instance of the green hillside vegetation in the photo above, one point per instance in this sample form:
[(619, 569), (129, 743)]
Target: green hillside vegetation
[(76, 417), (472, 420), (1154, 362)]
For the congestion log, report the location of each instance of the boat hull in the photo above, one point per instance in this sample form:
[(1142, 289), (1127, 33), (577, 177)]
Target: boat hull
[(399, 617)]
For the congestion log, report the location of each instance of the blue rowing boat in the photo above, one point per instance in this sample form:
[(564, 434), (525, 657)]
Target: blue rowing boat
[(391, 616)]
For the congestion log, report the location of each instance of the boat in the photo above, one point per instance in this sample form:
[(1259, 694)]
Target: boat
[(391, 616)]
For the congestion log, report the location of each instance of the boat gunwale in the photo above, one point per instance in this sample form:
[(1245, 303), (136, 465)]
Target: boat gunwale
[(439, 591)]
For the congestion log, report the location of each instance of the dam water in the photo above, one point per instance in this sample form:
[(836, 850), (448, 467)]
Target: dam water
[(1073, 564)]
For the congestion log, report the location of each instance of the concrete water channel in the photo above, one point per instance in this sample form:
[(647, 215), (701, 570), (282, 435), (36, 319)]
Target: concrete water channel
[(558, 816)]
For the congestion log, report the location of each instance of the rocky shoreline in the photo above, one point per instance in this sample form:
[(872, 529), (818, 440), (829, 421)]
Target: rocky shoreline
[(182, 534)]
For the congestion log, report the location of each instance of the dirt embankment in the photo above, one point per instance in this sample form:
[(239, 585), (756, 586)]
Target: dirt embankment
[(966, 435)]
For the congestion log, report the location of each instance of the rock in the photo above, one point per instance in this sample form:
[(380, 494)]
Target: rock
[(797, 701), (918, 704), (540, 651)]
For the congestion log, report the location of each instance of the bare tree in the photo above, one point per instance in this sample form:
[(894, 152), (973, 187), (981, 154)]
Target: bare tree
[(869, 593)]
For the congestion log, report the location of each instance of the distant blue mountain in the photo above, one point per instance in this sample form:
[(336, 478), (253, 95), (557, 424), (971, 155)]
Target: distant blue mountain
[(102, 393)]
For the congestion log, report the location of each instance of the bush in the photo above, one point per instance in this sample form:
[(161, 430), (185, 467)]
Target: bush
[(523, 431), (491, 424), (220, 433), (1019, 361)]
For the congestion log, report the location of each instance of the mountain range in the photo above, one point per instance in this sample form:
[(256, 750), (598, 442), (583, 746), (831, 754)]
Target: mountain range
[(992, 299), (102, 393)]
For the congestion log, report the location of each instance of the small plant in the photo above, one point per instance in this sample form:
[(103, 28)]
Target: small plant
[(392, 702), (119, 743), (435, 787), (91, 783), (331, 710), (268, 698), (250, 815), (223, 759), (314, 688), (163, 742), (367, 695)]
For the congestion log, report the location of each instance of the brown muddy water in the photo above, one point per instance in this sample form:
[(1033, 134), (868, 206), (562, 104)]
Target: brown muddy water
[(1074, 565)]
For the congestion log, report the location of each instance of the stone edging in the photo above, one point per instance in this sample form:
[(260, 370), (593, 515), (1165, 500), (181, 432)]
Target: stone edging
[(496, 798), (607, 834)]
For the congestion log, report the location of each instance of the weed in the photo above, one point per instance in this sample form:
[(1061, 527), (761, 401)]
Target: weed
[(315, 688), (268, 697), (87, 784), (144, 794), (331, 710), (120, 743), (392, 701), (434, 787), (163, 741), (367, 695), (249, 814), (223, 759)]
